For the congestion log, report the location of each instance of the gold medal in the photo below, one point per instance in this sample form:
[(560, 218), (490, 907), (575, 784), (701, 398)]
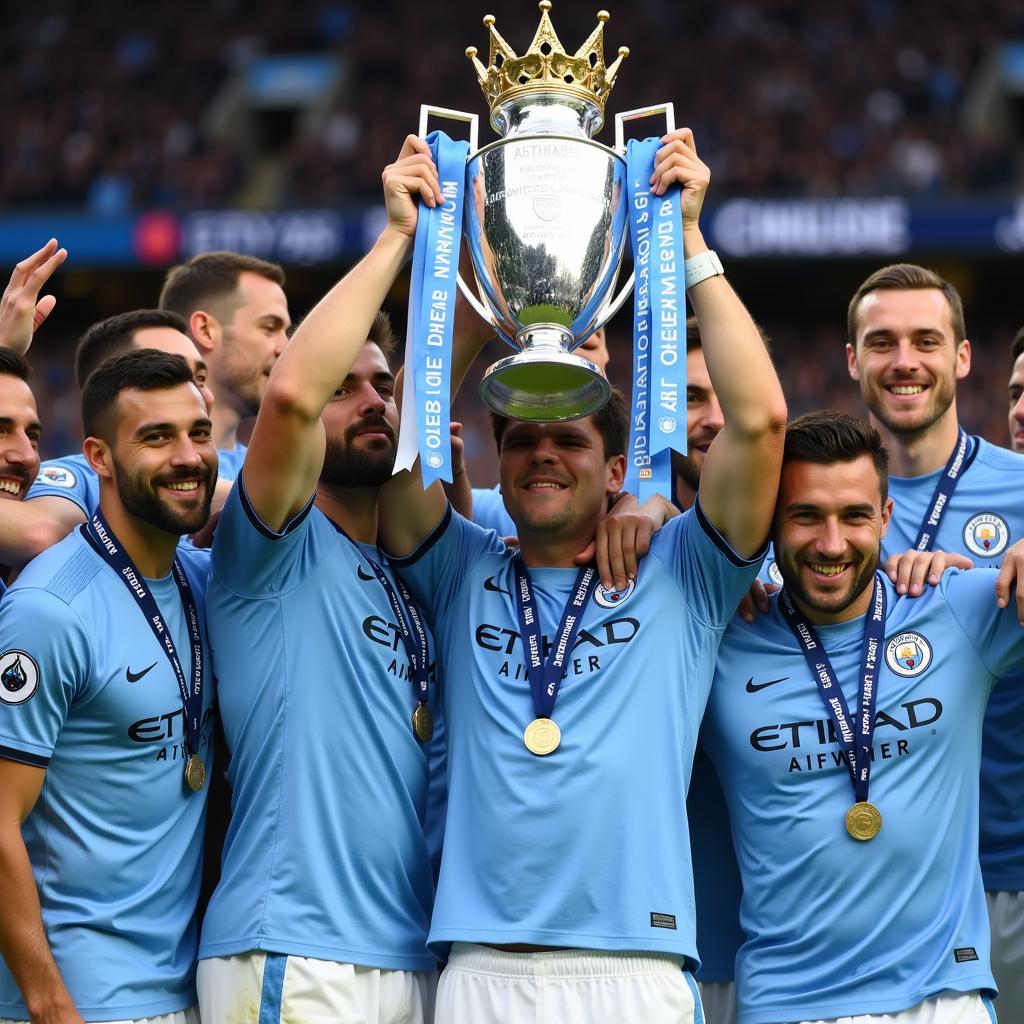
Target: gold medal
[(542, 736), (195, 773), (423, 723), (863, 821)]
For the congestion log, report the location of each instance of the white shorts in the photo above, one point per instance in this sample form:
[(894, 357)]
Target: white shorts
[(268, 988), (1006, 917), (954, 1008), (719, 999), (485, 986), (189, 1016)]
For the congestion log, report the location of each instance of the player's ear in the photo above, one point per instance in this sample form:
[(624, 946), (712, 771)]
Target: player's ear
[(97, 452), (616, 468), (963, 359), (886, 516), (205, 330), (851, 361)]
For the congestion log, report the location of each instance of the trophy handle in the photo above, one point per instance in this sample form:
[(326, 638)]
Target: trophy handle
[(426, 112), (668, 109)]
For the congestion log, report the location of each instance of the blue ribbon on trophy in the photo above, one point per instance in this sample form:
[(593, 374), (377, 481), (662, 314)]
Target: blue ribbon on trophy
[(658, 412), (426, 400)]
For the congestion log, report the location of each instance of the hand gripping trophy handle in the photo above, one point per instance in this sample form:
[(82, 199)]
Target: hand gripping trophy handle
[(668, 109), (426, 112)]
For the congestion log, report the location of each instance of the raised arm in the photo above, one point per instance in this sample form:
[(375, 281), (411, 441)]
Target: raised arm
[(23, 942), (740, 477), (286, 453)]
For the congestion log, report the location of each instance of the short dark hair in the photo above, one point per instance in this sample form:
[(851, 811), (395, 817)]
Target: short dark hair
[(13, 364), (116, 334), (907, 277), (611, 421), (142, 369), (826, 436), (210, 281), (1016, 347), (382, 334)]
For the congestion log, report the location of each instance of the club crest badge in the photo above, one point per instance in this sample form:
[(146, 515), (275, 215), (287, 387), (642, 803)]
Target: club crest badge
[(613, 598), (57, 476), (908, 654), (986, 534), (19, 677)]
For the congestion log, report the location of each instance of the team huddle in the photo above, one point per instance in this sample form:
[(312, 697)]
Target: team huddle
[(539, 753)]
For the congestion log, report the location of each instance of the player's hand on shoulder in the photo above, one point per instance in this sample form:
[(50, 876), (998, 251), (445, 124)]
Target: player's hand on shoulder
[(411, 179), (21, 309), (1011, 572), (755, 601), (624, 536), (910, 571)]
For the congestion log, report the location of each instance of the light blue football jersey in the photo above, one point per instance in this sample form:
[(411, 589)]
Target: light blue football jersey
[(69, 477), (587, 847), (326, 855), (837, 927), (73, 478), (983, 518), (490, 513), (115, 838)]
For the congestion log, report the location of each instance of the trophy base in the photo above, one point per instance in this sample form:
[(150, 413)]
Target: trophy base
[(544, 388)]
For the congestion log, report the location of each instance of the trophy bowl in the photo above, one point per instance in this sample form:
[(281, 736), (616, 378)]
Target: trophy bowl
[(546, 224)]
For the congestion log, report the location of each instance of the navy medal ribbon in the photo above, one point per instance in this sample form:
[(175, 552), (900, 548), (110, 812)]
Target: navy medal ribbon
[(855, 737), (545, 675), (100, 536), (963, 455), (413, 634)]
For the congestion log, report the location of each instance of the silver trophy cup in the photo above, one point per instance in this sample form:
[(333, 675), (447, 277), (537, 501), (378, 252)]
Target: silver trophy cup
[(546, 221)]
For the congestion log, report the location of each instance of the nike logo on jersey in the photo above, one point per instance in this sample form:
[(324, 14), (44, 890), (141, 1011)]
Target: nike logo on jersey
[(362, 575), (753, 687), (490, 585), (134, 677)]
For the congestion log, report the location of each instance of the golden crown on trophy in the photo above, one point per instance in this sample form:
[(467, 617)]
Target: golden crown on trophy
[(546, 67)]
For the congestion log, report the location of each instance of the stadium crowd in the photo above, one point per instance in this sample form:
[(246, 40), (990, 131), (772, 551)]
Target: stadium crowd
[(108, 108)]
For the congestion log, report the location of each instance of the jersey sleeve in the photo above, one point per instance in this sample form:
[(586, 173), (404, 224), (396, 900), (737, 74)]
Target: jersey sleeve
[(993, 632), (64, 478), (489, 511), (44, 666), (253, 560), (712, 576), (436, 569)]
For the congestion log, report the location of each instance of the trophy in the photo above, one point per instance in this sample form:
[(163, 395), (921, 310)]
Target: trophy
[(546, 218)]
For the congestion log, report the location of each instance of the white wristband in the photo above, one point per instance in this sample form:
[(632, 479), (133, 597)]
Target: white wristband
[(702, 266)]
